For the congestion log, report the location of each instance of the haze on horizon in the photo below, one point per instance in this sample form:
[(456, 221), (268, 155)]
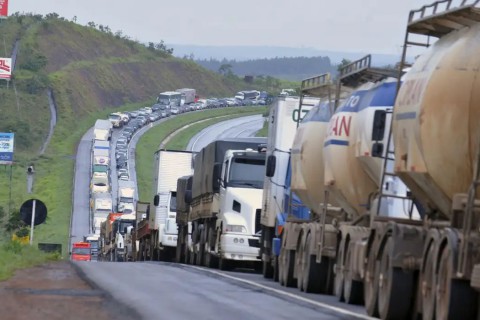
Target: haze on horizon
[(345, 25)]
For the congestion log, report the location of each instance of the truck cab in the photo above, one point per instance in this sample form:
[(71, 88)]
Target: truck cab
[(240, 196), (81, 251)]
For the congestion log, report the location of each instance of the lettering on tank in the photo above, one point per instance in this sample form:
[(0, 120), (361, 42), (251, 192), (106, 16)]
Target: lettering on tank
[(411, 92), (339, 126)]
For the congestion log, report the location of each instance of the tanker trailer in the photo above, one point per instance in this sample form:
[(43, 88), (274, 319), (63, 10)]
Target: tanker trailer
[(353, 152), (301, 228), (436, 137)]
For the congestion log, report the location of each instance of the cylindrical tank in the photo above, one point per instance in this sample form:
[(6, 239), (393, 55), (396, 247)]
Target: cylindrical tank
[(307, 157), (351, 149), (436, 128)]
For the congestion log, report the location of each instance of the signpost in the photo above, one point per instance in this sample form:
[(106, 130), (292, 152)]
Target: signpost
[(33, 212), (6, 148)]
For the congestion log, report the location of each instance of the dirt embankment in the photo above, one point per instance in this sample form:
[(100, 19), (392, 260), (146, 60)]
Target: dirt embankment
[(57, 291)]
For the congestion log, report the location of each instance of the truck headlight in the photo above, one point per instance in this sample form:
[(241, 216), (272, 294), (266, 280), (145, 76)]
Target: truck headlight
[(235, 228)]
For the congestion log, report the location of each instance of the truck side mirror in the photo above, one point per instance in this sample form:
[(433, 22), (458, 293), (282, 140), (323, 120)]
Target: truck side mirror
[(271, 165), (377, 149), (217, 172), (156, 200), (188, 196), (379, 122)]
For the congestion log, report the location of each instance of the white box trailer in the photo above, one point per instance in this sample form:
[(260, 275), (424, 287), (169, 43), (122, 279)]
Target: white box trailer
[(101, 205), (157, 234), (188, 95), (102, 130)]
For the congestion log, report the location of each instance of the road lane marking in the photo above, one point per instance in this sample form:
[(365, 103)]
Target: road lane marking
[(287, 294)]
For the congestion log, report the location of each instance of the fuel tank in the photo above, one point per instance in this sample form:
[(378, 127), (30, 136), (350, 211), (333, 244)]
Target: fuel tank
[(356, 140), (436, 120)]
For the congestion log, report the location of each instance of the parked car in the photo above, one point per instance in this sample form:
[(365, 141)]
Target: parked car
[(121, 162), (174, 110), (133, 114), (124, 176)]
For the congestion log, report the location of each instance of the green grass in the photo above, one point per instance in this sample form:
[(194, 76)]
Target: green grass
[(14, 256), (264, 131), (150, 141)]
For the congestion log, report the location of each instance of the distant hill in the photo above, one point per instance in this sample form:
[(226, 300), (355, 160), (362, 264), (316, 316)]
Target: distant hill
[(294, 69), (88, 68), (241, 53)]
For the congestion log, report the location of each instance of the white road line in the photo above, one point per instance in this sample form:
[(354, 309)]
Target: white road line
[(287, 294)]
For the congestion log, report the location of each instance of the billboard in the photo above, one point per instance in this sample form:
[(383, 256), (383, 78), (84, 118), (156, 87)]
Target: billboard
[(6, 148), (5, 68), (3, 8)]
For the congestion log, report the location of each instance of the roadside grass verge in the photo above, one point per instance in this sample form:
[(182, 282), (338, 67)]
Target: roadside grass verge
[(264, 131), (14, 256), (150, 141)]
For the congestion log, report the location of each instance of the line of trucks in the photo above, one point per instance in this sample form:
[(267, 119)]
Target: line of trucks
[(372, 197), (110, 230)]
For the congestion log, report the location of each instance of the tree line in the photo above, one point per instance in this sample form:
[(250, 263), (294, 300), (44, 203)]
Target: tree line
[(289, 68)]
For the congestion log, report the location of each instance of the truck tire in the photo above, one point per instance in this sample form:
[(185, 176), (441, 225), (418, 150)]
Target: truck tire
[(395, 288), (201, 248), (290, 281), (224, 264), (267, 267), (352, 289)]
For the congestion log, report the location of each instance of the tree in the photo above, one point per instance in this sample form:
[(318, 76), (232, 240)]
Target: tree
[(225, 69), (343, 64)]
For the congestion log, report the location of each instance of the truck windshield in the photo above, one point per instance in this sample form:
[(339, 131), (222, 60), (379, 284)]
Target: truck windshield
[(247, 173), (124, 225), (126, 200), (82, 251), (173, 202)]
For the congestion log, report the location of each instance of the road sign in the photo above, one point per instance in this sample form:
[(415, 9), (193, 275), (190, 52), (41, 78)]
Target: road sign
[(5, 68), (3, 8), (39, 212), (6, 148)]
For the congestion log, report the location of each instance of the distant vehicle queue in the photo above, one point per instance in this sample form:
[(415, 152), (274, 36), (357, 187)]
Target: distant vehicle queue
[(109, 235)]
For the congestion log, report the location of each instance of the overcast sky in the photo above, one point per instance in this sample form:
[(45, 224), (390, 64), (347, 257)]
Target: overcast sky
[(341, 25)]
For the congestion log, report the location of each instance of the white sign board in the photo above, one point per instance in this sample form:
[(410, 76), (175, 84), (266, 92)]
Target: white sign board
[(6, 148), (5, 68)]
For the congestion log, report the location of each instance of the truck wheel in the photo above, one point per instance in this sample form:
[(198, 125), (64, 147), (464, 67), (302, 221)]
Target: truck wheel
[(455, 298), (338, 284), (312, 272), (352, 289), (275, 269), (224, 264), (267, 269), (201, 248), (370, 286), (179, 250), (290, 281), (395, 287), (300, 262), (428, 285), (281, 267)]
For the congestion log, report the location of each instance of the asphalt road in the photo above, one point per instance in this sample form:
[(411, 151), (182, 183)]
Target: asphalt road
[(174, 291)]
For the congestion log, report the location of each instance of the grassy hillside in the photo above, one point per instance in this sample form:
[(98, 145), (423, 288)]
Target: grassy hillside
[(91, 73)]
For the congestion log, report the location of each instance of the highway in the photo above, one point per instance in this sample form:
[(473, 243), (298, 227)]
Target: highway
[(159, 290)]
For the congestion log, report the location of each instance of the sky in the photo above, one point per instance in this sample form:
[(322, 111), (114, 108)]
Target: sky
[(338, 25)]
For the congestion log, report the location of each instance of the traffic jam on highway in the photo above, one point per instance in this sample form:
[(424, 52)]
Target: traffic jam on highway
[(356, 192)]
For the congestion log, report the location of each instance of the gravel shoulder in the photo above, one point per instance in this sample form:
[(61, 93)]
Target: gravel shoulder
[(57, 290)]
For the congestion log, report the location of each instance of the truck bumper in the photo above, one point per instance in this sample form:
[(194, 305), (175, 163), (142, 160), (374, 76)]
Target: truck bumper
[(240, 247), (169, 240)]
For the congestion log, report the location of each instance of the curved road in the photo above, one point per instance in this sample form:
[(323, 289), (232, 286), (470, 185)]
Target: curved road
[(167, 290)]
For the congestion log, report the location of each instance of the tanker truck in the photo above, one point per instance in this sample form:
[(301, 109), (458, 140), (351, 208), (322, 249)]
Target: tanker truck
[(337, 161), (432, 267), (283, 117), (225, 203)]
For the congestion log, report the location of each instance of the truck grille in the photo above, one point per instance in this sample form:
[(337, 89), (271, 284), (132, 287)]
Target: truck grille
[(258, 216), (254, 243)]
